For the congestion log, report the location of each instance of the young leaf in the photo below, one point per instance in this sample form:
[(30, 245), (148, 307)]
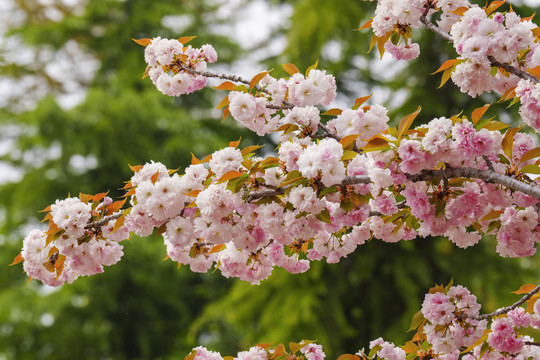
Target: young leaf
[(194, 160), (233, 174), (535, 71), (508, 141), (531, 169), (217, 248), (366, 25), (478, 113), (359, 101), (185, 39), (406, 122), (447, 64), (529, 155), (143, 42), (348, 357), (312, 67), (250, 149), (290, 68), (224, 102), (17, 260), (235, 144), (324, 216), (493, 6), (349, 139), (227, 85), (524, 289), (333, 112), (255, 80), (376, 143), (460, 10), (446, 75)]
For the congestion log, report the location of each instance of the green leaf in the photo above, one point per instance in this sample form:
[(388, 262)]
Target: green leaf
[(416, 321), (324, 216)]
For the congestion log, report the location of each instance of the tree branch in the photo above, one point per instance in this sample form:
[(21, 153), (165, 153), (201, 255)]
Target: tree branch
[(509, 308), (103, 221), (427, 175)]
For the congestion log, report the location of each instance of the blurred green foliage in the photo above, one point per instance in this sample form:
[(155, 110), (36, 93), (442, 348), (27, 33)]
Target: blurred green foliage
[(142, 308)]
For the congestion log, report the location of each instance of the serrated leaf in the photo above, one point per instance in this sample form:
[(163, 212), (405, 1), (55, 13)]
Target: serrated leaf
[(226, 85), (290, 68), (478, 113), (255, 80), (406, 122), (529, 155), (447, 64), (333, 112), (382, 41), (531, 169), (142, 42), (17, 260), (185, 39)]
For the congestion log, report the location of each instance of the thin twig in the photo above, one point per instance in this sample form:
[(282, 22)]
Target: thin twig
[(103, 221)]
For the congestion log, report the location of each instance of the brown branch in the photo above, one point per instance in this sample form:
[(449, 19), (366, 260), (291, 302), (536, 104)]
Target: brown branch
[(511, 69), (428, 175), (486, 175), (508, 308), (103, 221)]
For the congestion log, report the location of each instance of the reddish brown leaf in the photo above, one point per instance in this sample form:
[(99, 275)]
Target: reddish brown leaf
[(17, 260), (478, 113), (524, 289), (143, 42), (290, 68), (235, 144), (227, 85), (255, 80), (333, 112), (185, 39)]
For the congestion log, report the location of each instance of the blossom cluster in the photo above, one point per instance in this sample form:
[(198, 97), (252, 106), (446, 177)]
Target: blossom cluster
[(302, 92), (169, 65), (495, 50), (70, 248)]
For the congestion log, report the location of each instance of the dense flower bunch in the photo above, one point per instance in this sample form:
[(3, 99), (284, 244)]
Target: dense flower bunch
[(169, 65), (340, 178), (497, 51), (70, 247)]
